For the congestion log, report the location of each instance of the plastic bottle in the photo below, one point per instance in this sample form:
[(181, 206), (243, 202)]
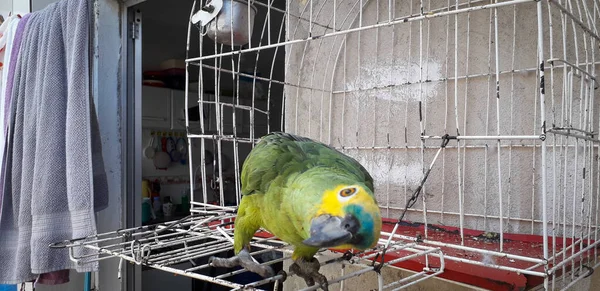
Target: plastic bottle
[(146, 189), (185, 201), (168, 207)]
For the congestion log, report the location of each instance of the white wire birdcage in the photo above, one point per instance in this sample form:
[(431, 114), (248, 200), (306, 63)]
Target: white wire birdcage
[(506, 87)]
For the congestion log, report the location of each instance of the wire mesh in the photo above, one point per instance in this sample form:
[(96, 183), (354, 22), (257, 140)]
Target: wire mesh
[(512, 82)]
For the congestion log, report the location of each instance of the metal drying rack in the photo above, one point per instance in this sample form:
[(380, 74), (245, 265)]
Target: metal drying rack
[(166, 245)]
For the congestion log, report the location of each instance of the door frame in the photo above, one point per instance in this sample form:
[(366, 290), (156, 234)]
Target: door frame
[(131, 129)]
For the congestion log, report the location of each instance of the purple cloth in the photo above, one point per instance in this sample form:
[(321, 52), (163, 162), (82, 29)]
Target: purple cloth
[(11, 69), (14, 55)]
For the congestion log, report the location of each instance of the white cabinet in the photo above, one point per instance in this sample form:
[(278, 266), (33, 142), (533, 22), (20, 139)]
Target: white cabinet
[(162, 108), (156, 107)]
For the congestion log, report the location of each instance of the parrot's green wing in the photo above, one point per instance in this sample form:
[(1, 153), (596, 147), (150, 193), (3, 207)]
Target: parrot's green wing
[(280, 155)]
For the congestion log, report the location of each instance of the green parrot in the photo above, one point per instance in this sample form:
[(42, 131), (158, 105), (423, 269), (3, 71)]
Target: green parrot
[(308, 195)]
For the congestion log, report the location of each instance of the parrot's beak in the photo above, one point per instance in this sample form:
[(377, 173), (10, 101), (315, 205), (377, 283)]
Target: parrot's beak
[(329, 231)]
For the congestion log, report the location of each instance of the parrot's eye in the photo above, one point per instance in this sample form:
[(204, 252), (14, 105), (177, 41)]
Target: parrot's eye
[(347, 192)]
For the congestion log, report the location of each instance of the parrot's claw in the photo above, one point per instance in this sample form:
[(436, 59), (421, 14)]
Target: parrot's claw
[(245, 260), (309, 271)]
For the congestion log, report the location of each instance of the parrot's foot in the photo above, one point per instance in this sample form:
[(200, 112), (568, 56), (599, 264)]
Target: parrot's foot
[(245, 260), (309, 271)]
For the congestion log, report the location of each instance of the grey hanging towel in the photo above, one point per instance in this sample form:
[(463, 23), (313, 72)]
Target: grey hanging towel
[(54, 178)]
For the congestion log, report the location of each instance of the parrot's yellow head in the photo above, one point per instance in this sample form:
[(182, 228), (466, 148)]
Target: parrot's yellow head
[(347, 217)]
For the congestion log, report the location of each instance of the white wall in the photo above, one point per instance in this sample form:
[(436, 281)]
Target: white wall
[(16, 6), (38, 4), (5, 8)]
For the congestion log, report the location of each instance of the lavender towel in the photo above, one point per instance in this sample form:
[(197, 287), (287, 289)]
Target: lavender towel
[(54, 177), (14, 53), (11, 68)]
